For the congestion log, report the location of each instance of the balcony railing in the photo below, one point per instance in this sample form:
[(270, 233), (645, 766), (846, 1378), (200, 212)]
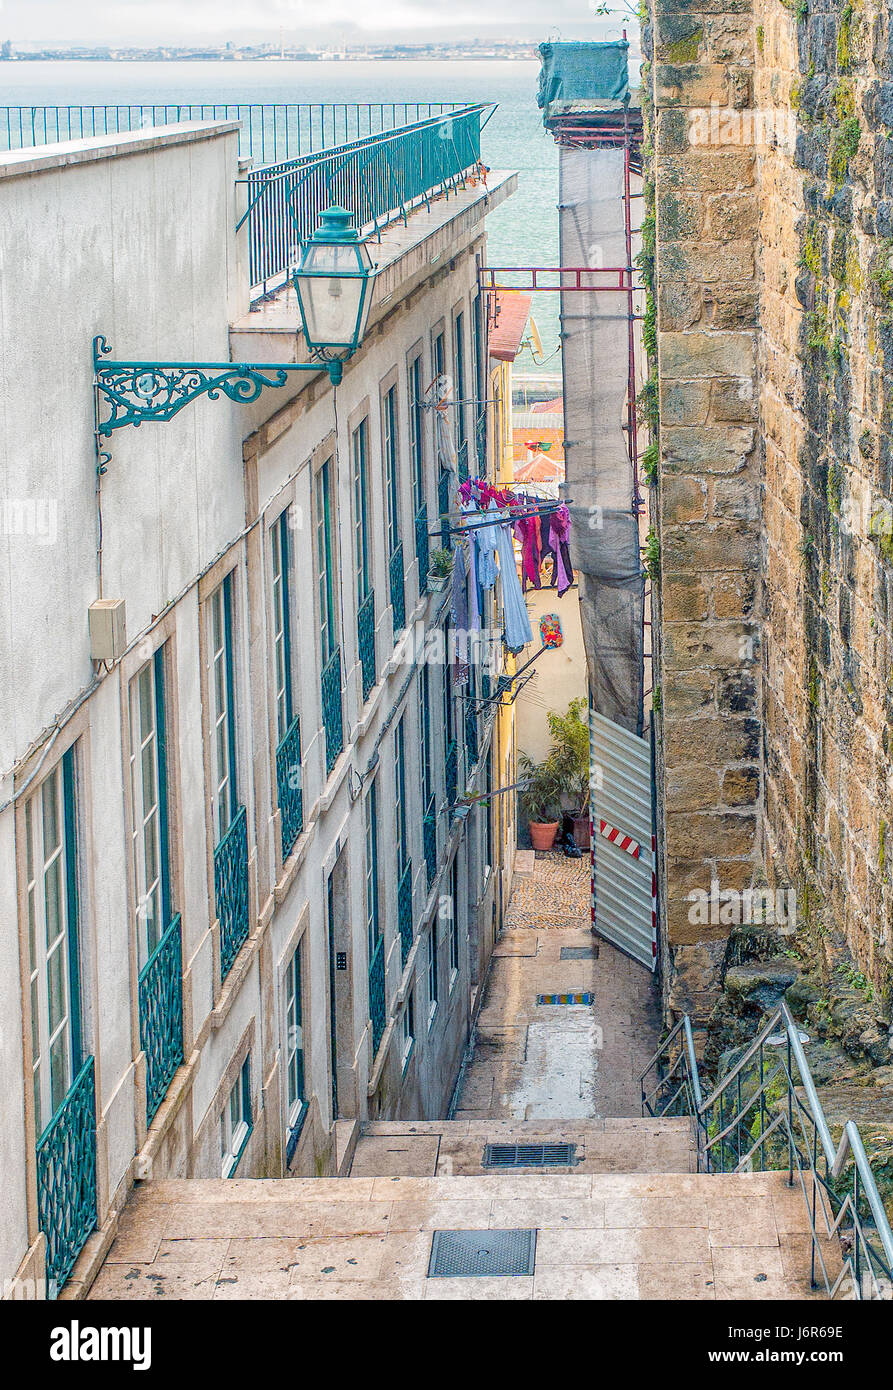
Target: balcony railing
[(443, 504), (429, 837), (377, 179), (398, 591), (289, 787), (231, 890), (451, 768), (269, 133), (422, 547), (404, 911), (66, 1178), (331, 709), (366, 642), (378, 1012), (161, 1015)]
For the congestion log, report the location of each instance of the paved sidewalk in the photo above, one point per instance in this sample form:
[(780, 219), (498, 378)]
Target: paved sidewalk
[(537, 1061)]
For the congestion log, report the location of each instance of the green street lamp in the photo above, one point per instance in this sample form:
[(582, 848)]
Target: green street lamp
[(334, 288)]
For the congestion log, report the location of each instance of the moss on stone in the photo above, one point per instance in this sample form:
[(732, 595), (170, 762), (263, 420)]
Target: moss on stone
[(844, 35), (760, 38), (843, 145), (686, 48), (811, 255)]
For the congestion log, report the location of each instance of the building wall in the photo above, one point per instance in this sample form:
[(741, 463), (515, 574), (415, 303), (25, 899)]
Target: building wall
[(773, 309), (150, 260), (558, 677)]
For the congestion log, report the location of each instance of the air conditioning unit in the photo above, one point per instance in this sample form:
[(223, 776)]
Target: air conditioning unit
[(107, 629)]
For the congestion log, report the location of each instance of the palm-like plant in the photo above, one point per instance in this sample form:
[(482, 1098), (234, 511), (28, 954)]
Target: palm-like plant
[(569, 753)]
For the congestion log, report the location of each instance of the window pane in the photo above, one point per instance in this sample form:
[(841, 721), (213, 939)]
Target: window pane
[(56, 988), (53, 889)]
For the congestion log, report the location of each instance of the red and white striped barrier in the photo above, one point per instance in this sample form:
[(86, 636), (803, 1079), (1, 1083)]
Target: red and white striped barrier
[(617, 837)]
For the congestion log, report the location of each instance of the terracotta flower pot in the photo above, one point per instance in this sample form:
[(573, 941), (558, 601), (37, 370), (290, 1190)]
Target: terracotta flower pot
[(542, 834)]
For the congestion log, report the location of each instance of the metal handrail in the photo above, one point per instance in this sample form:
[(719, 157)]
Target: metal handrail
[(740, 1113)]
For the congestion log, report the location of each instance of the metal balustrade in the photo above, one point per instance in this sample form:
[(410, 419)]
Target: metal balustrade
[(429, 837), (451, 770), (270, 132), (398, 590), (765, 1114), (378, 1011), (366, 642), (160, 990), (231, 890), (66, 1178), (377, 178), (332, 714), (289, 787), (404, 911), (422, 546)]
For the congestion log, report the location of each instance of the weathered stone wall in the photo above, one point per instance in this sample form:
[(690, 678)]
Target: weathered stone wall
[(708, 495), (775, 309)]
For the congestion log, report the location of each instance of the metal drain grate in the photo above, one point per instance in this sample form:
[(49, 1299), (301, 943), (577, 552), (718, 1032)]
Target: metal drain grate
[(579, 953), (565, 998), (481, 1254), (529, 1155)]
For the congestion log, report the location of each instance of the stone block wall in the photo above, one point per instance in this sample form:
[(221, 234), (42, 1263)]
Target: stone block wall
[(774, 334)]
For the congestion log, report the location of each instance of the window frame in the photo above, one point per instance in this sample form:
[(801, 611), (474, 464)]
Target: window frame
[(156, 742), (408, 1029), (415, 404), (359, 482), (433, 974), (390, 451), (325, 559), (220, 669), (371, 880), (281, 627), (294, 1049), (240, 1132)]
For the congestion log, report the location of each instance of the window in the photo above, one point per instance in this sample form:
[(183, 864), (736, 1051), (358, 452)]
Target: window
[(479, 406), (359, 453), (432, 973), (459, 396), (439, 353), (282, 673), (149, 820), (296, 1108), (328, 626), (417, 433), (454, 922), (51, 889), (235, 1121), (425, 726), (221, 685), (400, 794), (373, 916), (488, 812), (392, 481), (408, 1028)]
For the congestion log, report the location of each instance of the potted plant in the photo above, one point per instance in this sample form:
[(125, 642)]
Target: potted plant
[(440, 567), (540, 799), (570, 756)]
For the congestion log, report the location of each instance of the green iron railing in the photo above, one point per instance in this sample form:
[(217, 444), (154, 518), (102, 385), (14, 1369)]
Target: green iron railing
[(471, 731), (160, 989), (331, 708), (377, 1003), (398, 591), (289, 787), (429, 837), (443, 504), (231, 890), (366, 642), (422, 547), (66, 1178), (451, 768), (404, 911), (377, 178)]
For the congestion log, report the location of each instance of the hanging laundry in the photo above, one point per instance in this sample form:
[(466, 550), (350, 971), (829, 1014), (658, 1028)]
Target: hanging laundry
[(486, 538), (527, 531), (514, 610), (474, 610), (559, 537)]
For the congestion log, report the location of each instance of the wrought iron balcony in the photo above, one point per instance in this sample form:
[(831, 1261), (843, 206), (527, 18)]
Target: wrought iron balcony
[(422, 547), (366, 642), (429, 836), (332, 717), (66, 1178), (289, 787), (378, 1011), (404, 911), (160, 989), (443, 504), (398, 593), (231, 890), (451, 768), (471, 732)]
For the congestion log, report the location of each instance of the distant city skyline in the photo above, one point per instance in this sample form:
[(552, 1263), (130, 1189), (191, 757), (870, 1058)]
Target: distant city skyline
[(152, 23)]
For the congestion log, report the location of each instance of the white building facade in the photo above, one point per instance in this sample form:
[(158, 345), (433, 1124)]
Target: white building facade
[(242, 910)]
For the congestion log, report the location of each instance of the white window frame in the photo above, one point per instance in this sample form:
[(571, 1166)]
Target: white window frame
[(145, 804), (433, 983), (222, 720), (235, 1128), (408, 1027), (293, 1042)]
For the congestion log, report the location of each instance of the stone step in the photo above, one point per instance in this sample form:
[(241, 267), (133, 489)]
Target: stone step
[(598, 1236)]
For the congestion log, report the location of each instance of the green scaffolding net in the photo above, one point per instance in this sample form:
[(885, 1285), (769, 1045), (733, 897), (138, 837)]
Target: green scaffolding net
[(577, 76)]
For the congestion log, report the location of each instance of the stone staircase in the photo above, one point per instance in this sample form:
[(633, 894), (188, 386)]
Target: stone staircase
[(632, 1219)]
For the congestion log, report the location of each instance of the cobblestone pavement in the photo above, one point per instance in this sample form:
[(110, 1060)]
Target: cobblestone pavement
[(535, 1061)]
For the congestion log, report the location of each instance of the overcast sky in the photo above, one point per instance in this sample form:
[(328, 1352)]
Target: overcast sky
[(190, 21)]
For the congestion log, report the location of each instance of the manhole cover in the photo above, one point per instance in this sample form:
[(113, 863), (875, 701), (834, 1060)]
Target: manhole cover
[(565, 998), (481, 1254), (529, 1155), (579, 953)]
